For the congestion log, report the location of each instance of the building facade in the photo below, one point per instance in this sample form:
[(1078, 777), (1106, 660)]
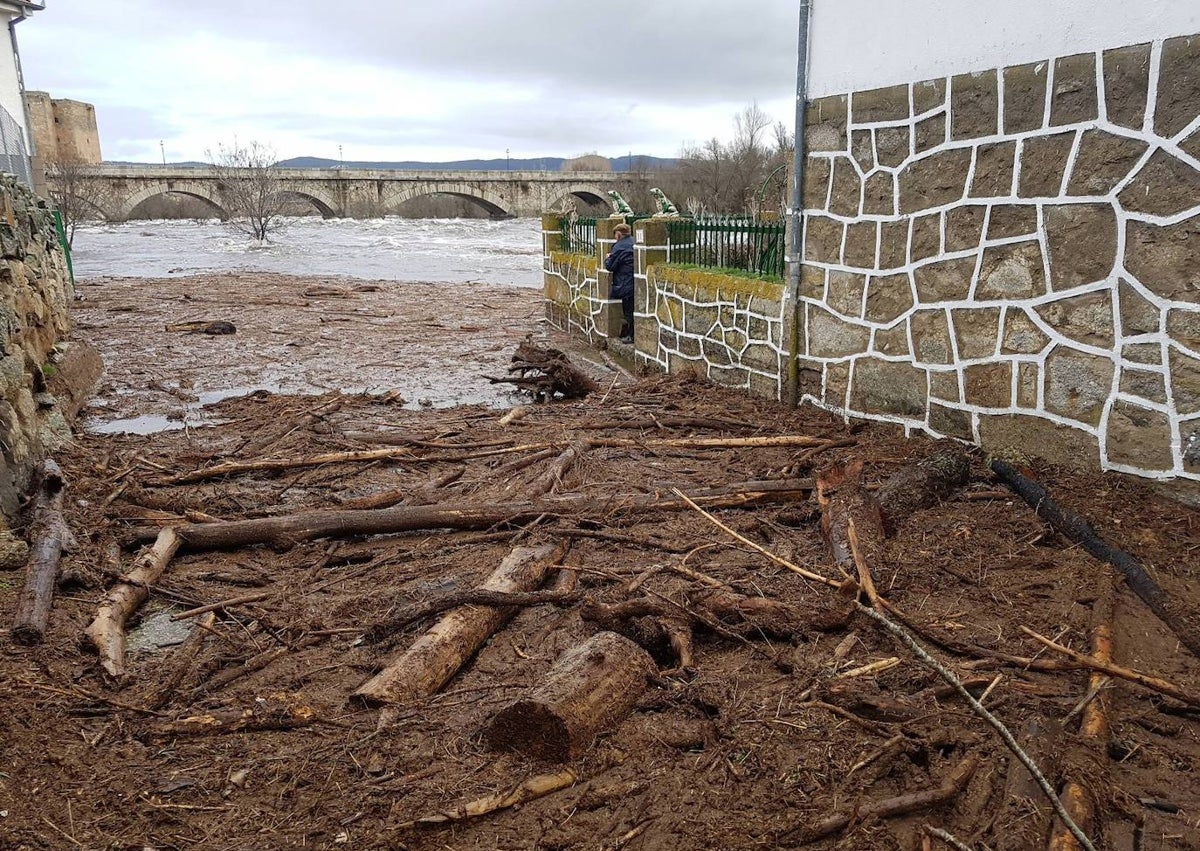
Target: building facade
[(15, 141)]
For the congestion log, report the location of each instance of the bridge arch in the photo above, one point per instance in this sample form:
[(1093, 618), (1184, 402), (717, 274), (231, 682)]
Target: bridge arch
[(589, 193), (325, 205), (194, 190), (490, 200)]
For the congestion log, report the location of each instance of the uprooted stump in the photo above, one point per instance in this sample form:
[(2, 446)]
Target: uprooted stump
[(591, 688), (546, 372)]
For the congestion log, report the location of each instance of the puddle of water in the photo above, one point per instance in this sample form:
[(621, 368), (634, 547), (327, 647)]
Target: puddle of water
[(145, 424), (158, 631)]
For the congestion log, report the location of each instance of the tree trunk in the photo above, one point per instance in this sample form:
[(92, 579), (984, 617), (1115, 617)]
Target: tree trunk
[(50, 537), (843, 499), (107, 631), (591, 688), (438, 655), (922, 485), (339, 523)]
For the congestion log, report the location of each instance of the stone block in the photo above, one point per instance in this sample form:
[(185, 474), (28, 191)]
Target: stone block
[(830, 336), (1022, 336), (1150, 386), (1103, 161), (1025, 97), (837, 384), (1145, 353), (1183, 326), (926, 239), (974, 105), (761, 356), (1074, 99), (1139, 437), (1165, 186), (930, 132), (929, 94), (891, 146), (964, 227), (823, 239), (1165, 259), (892, 341), (1023, 437), (945, 280), (889, 387), (1086, 318), (812, 282), (715, 352), (888, 297), (938, 179), (845, 294), (862, 148), (1190, 438), (1138, 314), (1078, 384), (765, 387), (845, 198), (861, 241), (1082, 243), (951, 422), (994, 166), (893, 244), (1029, 379), (886, 104), (690, 347), (1126, 83), (1012, 220), (930, 330), (977, 330), (1185, 382), (945, 386), (816, 183), (1178, 101), (1043, 161), (825, 124), (678, 365), (810, 376), (989, 385), (879, 194), (1012, 271)]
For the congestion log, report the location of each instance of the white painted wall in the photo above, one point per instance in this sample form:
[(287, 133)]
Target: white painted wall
[(865, 44), (10, 84)]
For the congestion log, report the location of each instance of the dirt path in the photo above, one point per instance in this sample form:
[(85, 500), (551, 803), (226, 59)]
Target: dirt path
[(764, 735)]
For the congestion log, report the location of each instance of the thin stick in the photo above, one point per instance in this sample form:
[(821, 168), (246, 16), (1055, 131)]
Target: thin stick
[(1145, 680), (864, 570), (224, 604), (949, 838), (529, 790)]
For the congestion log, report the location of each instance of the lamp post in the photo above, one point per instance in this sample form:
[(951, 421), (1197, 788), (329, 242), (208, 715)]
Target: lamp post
[(506, 165), (162, 146)]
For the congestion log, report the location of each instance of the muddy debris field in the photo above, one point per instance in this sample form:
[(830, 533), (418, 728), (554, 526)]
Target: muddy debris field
[(665, 616)]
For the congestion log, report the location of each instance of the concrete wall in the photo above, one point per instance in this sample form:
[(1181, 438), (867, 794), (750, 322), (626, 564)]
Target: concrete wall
[(921, 39), (1012, 256)]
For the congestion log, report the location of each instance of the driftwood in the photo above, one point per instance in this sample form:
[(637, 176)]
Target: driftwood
[(474, 597), (464, 516), (217, 327), (546, 373), (922, 485), (420, 495), (951, 788), (107, 632), (1184, 622), (1095, 728), (528, 790), (255, 663), (847, 505), (179, 663), (549, 481), (270, 714), (50, 536), (591, 688), (438, 655)]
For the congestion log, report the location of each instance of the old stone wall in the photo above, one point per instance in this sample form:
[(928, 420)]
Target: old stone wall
[(1012, 257), (63, 130), (576, 287), (43, 381)]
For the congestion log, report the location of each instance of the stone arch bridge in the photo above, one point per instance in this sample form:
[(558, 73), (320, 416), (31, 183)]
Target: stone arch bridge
[(359, 193)]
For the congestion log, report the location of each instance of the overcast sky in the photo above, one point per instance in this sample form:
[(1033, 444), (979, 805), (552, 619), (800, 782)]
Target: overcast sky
[(419, 80)]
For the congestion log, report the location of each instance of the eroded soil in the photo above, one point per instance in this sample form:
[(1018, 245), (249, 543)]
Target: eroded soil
[(758, 742)]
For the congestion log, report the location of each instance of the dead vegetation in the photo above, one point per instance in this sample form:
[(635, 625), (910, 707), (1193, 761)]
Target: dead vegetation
[(663, 616)]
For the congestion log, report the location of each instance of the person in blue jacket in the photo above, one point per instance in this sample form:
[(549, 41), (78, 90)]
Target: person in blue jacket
[(620, 263)]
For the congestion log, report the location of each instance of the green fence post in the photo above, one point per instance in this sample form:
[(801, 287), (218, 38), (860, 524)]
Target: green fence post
[(66, 246)]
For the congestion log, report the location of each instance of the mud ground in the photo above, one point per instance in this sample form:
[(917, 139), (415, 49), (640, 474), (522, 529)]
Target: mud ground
[(758, 742)]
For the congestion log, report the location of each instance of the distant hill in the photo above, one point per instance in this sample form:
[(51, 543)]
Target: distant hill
[(619, 164)]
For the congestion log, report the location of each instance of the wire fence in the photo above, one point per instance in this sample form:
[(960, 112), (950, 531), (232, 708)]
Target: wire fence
[(735, 242), (14, 156)]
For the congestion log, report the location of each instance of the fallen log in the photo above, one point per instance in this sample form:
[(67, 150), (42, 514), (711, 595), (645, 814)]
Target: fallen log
[(435, 657), (265, 715), (107, 631), (591, 688), (1181, 620), (178, 665), (546, 372), (50, 536), (528, 790), (844, 501), (549, 481), (922, 485), (474, 597), (420, 495), (951, 788), (464, 516)]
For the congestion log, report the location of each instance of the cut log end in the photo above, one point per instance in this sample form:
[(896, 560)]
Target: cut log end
[(532, 728)]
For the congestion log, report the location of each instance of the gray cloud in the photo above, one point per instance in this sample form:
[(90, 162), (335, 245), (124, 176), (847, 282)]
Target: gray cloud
[(405, 81)]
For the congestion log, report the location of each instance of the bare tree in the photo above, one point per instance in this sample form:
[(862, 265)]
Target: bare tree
[(77, 193), (250, 189)]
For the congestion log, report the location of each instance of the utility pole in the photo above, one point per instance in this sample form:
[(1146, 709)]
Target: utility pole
[(507, 167), (162, 146)]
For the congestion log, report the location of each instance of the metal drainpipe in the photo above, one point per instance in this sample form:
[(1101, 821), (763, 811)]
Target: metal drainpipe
[(797, 241)]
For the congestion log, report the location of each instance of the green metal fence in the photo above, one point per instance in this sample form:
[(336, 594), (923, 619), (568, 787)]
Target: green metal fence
[(64, 242), (729, 243), (579, 236)]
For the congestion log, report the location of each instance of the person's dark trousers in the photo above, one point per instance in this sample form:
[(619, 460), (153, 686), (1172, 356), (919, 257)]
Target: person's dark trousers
[(627, 309)]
